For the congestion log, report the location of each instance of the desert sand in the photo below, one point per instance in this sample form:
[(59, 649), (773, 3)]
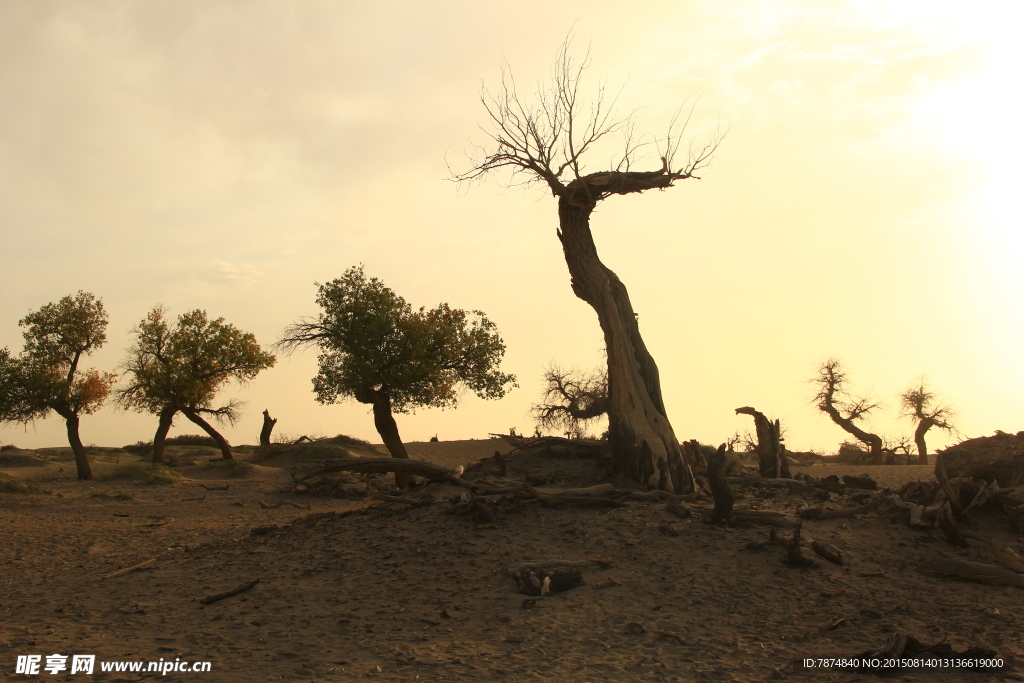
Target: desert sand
[(364, 589)]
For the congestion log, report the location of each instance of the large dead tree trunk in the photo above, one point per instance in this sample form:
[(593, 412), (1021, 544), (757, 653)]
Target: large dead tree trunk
[(268, 427), (222, 443), (644, 446), (770, 453)]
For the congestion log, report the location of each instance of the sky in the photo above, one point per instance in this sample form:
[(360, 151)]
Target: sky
[(226, 156)]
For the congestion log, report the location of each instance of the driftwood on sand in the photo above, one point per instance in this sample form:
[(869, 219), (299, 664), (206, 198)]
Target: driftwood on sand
[(140, 565), (274, 506), (209, 600), (976, 572)]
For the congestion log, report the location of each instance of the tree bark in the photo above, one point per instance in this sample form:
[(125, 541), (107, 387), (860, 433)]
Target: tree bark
[(268, 427), (922, 448), (386, 426), (164, 426), (81, 459), (225, 448), (771, 457), (644, 446)]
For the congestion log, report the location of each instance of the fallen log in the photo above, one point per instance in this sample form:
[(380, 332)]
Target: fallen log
[(764, 518), (274, 506), (780, 482), (420, 468), (140, 565), (828, 551), (828, 513), (976, 572), (598, 490), (866, 483), (209, 600), (1006, 556), (550, 564), (407, 500)]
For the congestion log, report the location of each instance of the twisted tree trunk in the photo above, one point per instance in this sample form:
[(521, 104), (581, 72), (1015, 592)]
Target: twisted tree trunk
[(386, 426), (81, 459), (222, 443), (922, 448), (873, 441), (644, 446), (771, 458), (164, 426)]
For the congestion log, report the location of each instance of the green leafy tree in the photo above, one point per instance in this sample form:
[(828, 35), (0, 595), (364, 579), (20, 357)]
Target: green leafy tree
[(376, 349), (180, 367), (47, 376)]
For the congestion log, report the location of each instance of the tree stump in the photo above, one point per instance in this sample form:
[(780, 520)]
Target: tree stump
[(268, 427)]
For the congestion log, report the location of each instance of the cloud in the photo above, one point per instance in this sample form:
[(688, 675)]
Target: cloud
[(241, 276)]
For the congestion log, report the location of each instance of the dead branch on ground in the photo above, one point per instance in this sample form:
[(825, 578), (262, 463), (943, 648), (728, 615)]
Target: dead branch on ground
[(209, 600)]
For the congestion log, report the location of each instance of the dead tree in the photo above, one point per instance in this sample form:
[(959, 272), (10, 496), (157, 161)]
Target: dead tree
[(918, 403), (770, 451), (547, 142), (833, 400), (571, 399), (268, 427)]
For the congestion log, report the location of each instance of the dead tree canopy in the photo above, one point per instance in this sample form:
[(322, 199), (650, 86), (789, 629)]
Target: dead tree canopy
[(843, 408), (572, 399), (548, 141), (919, 404), (770, 451)]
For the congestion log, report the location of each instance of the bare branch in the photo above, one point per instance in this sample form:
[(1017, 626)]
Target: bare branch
[(546, 141)]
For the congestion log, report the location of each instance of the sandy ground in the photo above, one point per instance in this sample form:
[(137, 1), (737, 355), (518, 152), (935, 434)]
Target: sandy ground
[(354, 590)]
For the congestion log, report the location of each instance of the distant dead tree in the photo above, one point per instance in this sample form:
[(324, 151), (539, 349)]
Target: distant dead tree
[(771, 454), (844, 408), (546, 141), (572, 398), (919, 404)]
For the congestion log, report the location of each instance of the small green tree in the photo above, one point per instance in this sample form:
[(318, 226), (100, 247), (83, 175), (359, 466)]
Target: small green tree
[(918, 403), (181, 367), (376, 349), (46, 375)]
